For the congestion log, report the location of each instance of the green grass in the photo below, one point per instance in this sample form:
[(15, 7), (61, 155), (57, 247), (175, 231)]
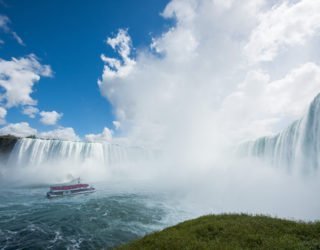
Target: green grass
[(233, 231)]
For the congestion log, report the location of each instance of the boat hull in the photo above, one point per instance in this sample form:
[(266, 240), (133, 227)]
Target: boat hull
[(51, 194)]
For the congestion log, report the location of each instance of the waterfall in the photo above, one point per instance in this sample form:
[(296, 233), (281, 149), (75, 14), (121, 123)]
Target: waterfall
[(54, 161), (35, 152), (298, 145)]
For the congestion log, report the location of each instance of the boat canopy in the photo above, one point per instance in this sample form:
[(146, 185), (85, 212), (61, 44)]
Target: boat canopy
[(68, 187)]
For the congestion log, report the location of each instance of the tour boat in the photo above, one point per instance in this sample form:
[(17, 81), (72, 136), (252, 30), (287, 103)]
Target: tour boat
[(70, 188)]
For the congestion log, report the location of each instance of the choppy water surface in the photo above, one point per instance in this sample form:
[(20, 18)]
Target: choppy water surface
[(105, 219)]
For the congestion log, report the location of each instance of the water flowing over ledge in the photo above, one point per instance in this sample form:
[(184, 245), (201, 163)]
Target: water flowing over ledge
[(35, 152), (296, 146), (40, 161)]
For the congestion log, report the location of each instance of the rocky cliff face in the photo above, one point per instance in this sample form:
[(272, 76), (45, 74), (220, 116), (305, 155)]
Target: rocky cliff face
[(7, 143)]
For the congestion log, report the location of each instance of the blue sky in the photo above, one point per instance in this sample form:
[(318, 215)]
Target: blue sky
[(70, 37), (201, 69)]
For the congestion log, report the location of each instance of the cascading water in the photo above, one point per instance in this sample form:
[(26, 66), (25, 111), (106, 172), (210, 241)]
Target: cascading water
[(298, 145), (37, 151), (53, 160)]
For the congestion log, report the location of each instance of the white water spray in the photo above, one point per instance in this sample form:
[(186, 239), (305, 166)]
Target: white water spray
[(297, 147), (38, 160)]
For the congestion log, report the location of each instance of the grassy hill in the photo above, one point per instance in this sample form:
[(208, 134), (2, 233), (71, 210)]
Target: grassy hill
[(232, 231)]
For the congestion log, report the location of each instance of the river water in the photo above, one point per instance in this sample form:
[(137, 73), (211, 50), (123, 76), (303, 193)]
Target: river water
[(107, 218)]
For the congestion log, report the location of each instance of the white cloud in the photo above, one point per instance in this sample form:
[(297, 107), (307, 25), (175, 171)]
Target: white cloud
[(50, 117), (18, 38), (118, 68), (284, 25), (4, 25), (17, 79), (182, 11), (105, 136), (30, 111), (291, 95), (18, 76), (278, 102), (60, 133), (21, 129), (201, 92), (3, 113), (116, 124)]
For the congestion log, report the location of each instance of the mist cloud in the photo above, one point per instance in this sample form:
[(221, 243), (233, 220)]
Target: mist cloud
[(203, 84)]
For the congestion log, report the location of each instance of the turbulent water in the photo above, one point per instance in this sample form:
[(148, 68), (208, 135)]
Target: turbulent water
[(296, 146), (104, 219)]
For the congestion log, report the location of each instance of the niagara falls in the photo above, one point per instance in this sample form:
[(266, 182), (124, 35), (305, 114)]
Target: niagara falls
[(161, 124)]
